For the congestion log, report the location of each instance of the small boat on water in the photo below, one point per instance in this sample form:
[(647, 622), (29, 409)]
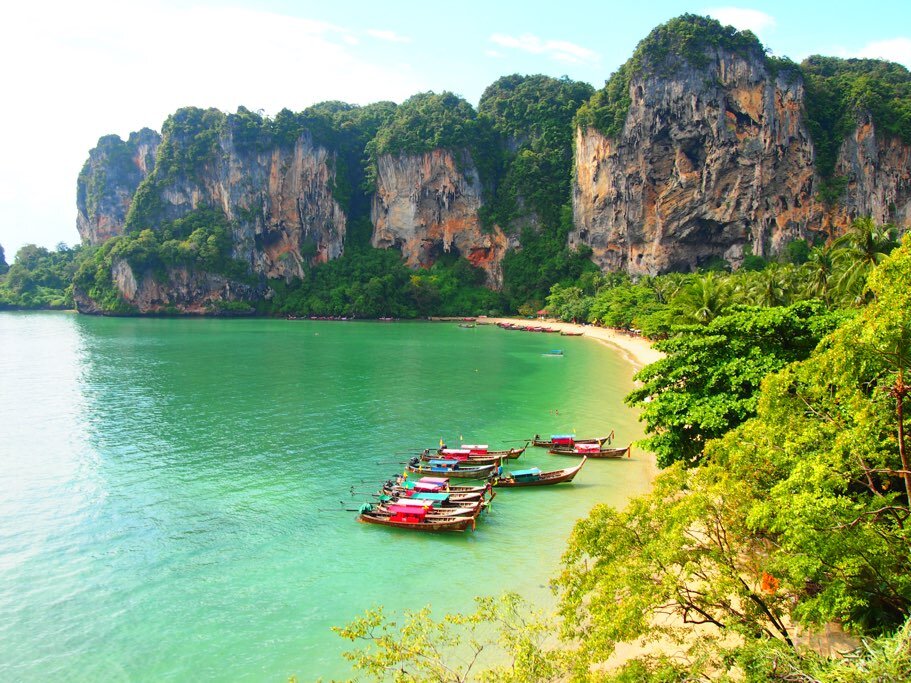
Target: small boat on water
[(481, 451), (466, 325), (566, 440), (434, 485), (554, 352), (436, 504), (565, 333), (414, 518), (591, 450), (535, 477), (450, 468), (463, 455)]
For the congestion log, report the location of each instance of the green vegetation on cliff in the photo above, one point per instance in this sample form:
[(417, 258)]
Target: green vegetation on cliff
[(374, 283), (839, 93)]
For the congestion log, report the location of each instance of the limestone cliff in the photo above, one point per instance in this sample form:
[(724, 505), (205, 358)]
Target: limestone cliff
[(108, 181), (716, 157), (278, 199), (183, 290), (428, 204)]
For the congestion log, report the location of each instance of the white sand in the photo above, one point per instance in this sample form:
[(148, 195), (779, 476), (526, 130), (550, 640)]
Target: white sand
[(638, 350)]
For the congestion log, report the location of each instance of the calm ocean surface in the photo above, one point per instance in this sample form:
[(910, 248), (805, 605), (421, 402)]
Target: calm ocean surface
[(171, 492)]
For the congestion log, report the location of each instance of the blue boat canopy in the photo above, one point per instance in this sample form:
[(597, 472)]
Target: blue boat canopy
[(442, 463), (533, 472), (562, 436), (438, 497)]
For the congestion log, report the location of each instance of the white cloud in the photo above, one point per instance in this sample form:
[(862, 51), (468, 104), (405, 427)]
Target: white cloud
[(493, 53), (560, 50), (894, 50), (742, 18), (389, 36), (77, 71)]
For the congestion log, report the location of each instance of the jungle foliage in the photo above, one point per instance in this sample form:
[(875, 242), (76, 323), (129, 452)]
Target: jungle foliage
[(793, 518)]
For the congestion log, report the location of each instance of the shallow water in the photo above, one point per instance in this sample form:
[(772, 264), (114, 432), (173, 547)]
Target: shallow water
[(171, 505)]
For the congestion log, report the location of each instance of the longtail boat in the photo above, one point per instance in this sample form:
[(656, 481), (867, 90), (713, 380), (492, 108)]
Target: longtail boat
[(482, 451), (450, 468), (535, 477), (405, 517), (410, 492), (564, 333), (566, 440), (434, 485), (436, 502), (592, 450), (463, 455), (432, 511)]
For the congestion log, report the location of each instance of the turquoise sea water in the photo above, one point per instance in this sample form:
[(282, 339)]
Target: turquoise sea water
[(172, 490)]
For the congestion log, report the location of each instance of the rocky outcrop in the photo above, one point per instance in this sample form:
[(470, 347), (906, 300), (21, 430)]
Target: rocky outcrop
[(279, 203), (428, 204), (182, 290), (877, 171), (108, 181), (716, 158)]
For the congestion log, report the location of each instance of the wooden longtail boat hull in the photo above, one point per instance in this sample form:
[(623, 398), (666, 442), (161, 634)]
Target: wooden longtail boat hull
[(437, 513), (467, 473), (603, 453), (565, 475), (511, 453), (471, 460), (454, 496), (442, 524), (542, 443)]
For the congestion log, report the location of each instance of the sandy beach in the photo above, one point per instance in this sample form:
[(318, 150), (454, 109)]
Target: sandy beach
[(639, 351)]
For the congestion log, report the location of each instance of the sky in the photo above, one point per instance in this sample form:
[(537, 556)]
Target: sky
[(75, 71)]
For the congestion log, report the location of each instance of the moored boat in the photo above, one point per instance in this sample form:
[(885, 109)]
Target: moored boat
[(406, 517), (535, 477), (450, 468), (566, 440), (566, 333), (463, 455), (434, 485), (591, 450), (481, 451)]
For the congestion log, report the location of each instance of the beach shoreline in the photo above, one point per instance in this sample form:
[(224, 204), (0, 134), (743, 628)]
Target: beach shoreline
[(639, 351)]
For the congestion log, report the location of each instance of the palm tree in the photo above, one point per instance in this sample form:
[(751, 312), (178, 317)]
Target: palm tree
[(704, 299), (769, 287), (818, 271), (857, 252)]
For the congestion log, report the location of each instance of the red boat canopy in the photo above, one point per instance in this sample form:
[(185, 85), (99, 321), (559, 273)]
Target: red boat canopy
[(455, 451), (434, 480)]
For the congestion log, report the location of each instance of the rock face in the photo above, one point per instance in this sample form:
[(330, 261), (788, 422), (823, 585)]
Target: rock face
[(184, 291), (715, 158), (279, 202), (878, 174), (425, 205), (108, 181)]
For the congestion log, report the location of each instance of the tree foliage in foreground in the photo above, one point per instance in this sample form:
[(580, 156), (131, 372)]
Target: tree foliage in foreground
[(457, 648), (798, 517), (800, 514), (707, 382)]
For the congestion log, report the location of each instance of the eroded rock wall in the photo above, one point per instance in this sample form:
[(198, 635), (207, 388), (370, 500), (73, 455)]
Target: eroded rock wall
[(717, 158), (279, 202), (108, 181), (427, 204)]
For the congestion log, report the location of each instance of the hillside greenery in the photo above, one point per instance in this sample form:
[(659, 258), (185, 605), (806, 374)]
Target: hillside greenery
[(39, 277), (793, 516)]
